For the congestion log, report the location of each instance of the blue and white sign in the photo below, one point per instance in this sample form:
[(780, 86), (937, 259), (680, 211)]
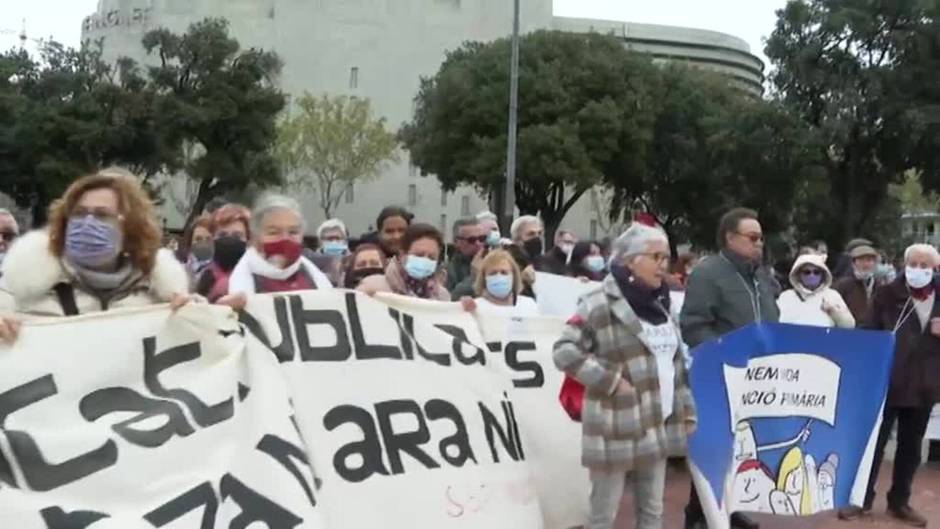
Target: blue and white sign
[(788, 418)]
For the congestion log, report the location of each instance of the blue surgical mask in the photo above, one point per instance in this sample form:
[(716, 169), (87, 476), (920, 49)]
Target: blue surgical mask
[(918, 277), (499, 285), (92, 243), (492, 239), (594, 263), (335, 248), (420, 267)]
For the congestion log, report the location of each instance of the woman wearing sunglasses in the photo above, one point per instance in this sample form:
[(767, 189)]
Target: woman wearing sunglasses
[(812, 301)]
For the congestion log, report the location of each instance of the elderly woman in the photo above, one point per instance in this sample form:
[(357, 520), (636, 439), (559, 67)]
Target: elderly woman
[(417, 272), (274, 261), (907, 307), (230, 228), (624, 345), (100, 251), (812, 301), (367, 260), (333, 238), (498, 285)]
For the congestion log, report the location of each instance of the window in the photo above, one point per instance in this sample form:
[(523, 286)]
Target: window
[(443, 223), (354, 77), (465, 205), (350, 196), (593, 230), (443, 197), (412, 170), (412, 195)]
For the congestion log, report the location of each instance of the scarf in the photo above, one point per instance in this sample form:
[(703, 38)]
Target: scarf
[(420, 288), (254, 264), (105, 285), (220, 278), (650, 304), (921, 294)]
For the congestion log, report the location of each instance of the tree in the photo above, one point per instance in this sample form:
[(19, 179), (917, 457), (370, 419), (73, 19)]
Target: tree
[(713, 148), (850, 69), (215, 96), (332, 143), (584, 108), (67, 113)]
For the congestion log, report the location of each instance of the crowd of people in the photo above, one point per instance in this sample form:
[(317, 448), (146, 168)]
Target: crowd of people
[(627, 343)]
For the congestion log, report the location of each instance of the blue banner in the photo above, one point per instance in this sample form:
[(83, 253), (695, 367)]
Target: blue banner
[(788, 418)]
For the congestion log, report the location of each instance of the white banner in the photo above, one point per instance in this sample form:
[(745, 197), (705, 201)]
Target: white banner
[(410, 414)]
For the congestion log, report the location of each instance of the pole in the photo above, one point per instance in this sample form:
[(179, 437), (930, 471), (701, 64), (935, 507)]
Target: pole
[(509, 195)]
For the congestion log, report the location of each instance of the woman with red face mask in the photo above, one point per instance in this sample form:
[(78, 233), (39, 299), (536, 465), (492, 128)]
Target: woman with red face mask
[(274, 260)]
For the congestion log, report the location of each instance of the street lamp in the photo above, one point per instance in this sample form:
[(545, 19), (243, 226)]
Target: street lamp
[(509, 194)]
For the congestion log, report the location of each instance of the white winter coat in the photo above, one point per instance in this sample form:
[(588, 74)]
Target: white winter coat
[(801, 306), (31, 272)]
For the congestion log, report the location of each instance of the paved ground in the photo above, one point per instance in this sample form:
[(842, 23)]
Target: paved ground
[(926, 500)]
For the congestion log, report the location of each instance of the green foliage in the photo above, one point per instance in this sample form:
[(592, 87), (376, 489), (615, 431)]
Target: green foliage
[(584, 113), (333, 142), (863, 75)]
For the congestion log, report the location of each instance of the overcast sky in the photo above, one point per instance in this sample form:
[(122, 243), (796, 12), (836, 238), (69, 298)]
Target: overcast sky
[(751, 20)]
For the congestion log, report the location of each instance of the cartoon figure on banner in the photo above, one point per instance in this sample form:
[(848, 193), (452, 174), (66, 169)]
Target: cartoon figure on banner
[(798, 487)]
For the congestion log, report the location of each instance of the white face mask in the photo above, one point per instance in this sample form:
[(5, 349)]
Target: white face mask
[(918, 277)]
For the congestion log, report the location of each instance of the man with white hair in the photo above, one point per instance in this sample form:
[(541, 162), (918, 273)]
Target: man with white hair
[(527, 231), (908, 308), (556, 260), (333, 238), (490, 225)]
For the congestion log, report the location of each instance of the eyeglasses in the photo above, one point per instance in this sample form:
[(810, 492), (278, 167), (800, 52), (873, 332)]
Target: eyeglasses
[(753, 237), (481, 239), (102, 214), (659, 257), (8, 236)]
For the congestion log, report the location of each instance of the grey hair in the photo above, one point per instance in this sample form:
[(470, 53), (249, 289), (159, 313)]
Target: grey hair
[(634, 241), (561, 233), (270, 203), (332, 224), (520, 222), (922, 248), (460, 223), (487, 215)]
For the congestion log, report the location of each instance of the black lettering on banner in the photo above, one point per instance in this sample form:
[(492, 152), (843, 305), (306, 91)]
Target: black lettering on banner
[(507, 436), (510, 412), (407, 442), (494, 347), (303, 318), (284, 351), (441, 358), (6, 471), (243, 392), (284, 452), (512, 351), (200, 496), (56, 518), (115, 400), (406, 348), (41, 475), (255, 507), (370, 449), (155, 363), (366, 351), (438, 409), (460, 340)]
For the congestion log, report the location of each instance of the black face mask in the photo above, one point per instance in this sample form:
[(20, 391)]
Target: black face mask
[(356, 277), (533, 247), (228, 251)]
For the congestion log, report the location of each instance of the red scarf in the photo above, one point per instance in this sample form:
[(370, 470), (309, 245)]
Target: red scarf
[(220, 285), (921, 294)]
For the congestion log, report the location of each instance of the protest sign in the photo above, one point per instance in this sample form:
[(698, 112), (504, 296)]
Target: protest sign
[(788, 418)]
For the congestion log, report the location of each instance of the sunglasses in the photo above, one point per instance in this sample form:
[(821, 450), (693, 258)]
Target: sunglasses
[(812, 272), (753, 237), (481, 239), (8, 236)]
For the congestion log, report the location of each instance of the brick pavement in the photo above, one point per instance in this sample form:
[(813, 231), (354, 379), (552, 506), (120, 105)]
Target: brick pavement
[(926, 500)]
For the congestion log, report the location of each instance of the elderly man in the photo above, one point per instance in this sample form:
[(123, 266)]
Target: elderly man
[(490, 225), (9, 231), (726, 292), (908, 307), (469, 241), (526, 232), (556, 261), (333, 238), (858, 289)]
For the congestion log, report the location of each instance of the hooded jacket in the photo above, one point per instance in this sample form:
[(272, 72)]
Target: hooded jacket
[(31, 273), (802, 306)]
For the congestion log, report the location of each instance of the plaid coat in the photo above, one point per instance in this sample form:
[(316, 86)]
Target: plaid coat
[(600, 345)]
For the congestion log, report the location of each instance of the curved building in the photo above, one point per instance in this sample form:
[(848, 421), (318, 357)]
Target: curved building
[(380, 49)]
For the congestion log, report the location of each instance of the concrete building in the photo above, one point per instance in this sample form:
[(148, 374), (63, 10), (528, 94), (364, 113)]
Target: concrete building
[(380, 49)]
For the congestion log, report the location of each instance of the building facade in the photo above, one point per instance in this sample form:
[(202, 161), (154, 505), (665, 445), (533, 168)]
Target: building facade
[(380, 49)]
